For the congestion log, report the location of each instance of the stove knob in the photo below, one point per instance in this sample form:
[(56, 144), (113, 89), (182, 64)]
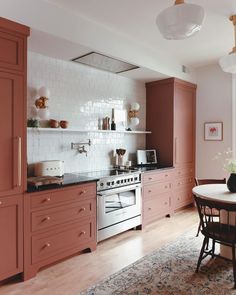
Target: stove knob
[(101, 184), (131, 179), (118, 182), (112, 183), (108, 183)]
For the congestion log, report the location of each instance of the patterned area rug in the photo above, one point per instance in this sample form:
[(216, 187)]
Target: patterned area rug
[(170, 271)]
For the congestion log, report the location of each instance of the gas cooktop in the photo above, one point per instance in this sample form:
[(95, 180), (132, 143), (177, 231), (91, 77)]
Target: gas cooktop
[(106, 173)]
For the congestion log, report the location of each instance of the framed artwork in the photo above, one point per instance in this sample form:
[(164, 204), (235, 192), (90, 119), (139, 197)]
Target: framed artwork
[(213, 131)]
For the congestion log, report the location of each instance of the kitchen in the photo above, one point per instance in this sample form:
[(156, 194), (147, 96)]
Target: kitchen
[(82, 96)]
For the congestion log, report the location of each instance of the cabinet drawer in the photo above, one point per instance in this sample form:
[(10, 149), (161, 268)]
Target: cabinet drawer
[(183, 182), (155, 189), (186, 171), (156, 177), (183, 197), (45, 246), (46, 218), (152, 209), (12, 52), (80, 192)]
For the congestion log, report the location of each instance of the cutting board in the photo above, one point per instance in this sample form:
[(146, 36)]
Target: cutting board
[(44, 180)]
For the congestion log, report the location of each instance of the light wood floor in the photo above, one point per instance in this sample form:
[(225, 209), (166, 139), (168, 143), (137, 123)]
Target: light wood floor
[(79, 272)]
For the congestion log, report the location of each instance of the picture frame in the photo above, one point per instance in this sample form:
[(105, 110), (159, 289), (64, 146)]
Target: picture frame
[(213, 131)]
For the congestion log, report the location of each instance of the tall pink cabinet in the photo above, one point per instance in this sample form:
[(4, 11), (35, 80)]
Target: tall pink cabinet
[(171, 108), (13, 62)]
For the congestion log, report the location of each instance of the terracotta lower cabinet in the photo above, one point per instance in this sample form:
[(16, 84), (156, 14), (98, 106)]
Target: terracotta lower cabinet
[(182, 187), (157, 195), (58, 223), (11, 233)]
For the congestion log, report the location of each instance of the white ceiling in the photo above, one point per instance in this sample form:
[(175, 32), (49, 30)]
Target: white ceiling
[(125, 30), (135, 19)]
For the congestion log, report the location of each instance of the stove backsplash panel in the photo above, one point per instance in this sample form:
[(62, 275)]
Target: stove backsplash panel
[(82, 95)]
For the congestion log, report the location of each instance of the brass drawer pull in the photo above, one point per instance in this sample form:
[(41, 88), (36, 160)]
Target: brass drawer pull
[(166, 186), (149, 191), (82, 192), (47, 245), (149, 209), (82, 233), (150, 178), (81, 209), (166, 175), (47, 218), (48, 199), (166, 203), (1, 203)]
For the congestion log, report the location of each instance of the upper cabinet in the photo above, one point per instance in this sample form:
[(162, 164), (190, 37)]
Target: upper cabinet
[(171, 105), (13, 45), (13, 56)]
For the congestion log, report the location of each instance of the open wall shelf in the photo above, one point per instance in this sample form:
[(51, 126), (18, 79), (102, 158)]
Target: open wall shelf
[(58, 130)]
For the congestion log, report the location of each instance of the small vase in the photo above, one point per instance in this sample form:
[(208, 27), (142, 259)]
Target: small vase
[(231, 183)]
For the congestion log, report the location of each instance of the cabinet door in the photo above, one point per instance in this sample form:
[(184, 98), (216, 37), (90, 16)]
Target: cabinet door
[(11, 233), (11, 133), (184, 125)]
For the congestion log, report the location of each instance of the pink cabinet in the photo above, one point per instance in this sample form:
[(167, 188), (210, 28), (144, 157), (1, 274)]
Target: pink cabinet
[(13, 58), (58, 223), (157, 195), (171, 108), (11, 233)]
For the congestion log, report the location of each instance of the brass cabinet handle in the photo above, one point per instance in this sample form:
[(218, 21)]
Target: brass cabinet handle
[(82, 209), (47, 218), (149, 209), (1, 203), (48, 199), (17, 161), (82, 192), (82, 233), (47, 245)]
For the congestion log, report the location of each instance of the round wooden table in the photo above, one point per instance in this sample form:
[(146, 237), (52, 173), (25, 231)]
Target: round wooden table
[(218, 192)]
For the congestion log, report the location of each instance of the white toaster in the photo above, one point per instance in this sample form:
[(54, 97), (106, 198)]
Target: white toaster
[(49, 168)]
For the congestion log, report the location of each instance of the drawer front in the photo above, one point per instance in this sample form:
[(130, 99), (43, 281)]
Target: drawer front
[(156, 177), (183, 197), (155, 189), (181, 183), (186, 171), (46, 218), (77, 193), (45, 246), (12, 52), (152, 209)]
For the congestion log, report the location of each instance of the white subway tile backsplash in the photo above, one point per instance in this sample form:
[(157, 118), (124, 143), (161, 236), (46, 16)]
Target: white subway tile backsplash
[(81, 95)]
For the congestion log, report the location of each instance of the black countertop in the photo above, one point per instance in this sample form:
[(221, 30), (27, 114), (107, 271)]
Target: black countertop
[(151, 168), (69, 179)]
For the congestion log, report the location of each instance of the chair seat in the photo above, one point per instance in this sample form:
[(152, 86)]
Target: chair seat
[(221, 232)]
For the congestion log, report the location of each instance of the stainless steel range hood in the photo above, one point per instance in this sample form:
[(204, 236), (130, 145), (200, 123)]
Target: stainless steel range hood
[(104, 62)]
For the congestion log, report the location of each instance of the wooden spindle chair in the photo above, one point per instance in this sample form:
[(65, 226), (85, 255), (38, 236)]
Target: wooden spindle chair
[(214, 213), (222, 231)]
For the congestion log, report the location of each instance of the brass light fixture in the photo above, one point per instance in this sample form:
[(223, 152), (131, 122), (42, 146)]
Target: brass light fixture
[(228, 62)]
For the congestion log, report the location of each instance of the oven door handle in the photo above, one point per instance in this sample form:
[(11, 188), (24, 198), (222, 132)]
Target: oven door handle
[(119, 190)]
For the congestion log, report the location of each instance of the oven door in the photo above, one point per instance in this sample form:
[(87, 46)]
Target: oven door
[(117, 205)]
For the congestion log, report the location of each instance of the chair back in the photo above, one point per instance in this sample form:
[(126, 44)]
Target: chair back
[(209, 181), (224, 229)]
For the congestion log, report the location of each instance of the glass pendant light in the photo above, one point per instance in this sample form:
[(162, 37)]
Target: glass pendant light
[(228, 62), (180, 21)]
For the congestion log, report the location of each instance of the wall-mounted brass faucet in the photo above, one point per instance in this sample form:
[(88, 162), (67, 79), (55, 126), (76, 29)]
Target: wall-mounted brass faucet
[(80, 146)]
